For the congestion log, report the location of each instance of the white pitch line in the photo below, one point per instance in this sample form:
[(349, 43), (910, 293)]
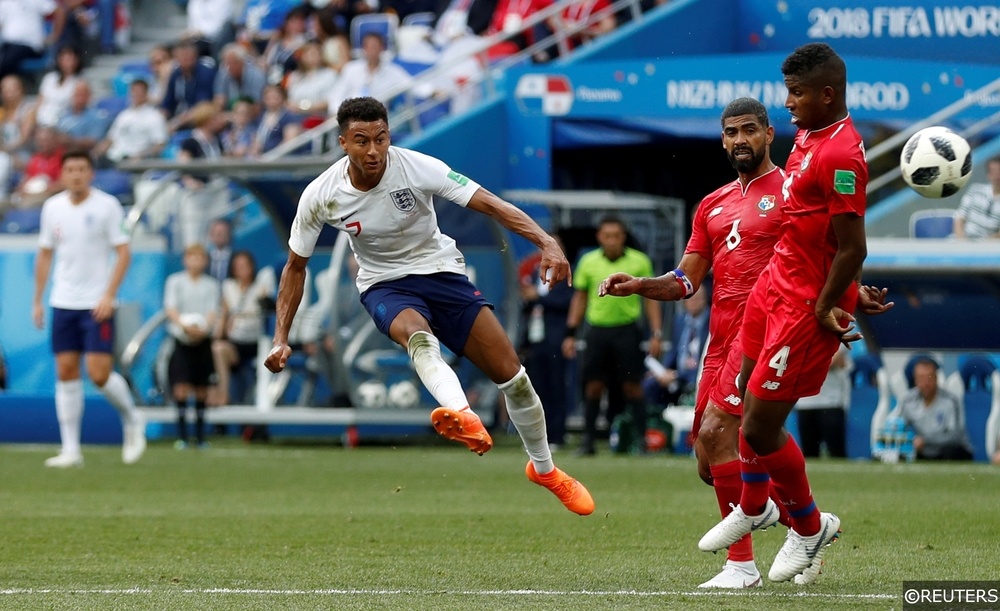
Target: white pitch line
[(404, 592)]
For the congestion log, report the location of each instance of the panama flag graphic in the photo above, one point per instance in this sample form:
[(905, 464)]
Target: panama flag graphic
[(545, 94)]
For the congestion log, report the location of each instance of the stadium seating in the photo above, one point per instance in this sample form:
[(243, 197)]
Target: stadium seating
[(385, 24), (976, 381), (21, 221), (934, 223), (115, 182), (423, 18), (864, 402)]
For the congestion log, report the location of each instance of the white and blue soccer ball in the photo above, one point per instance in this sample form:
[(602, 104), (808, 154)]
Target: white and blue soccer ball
[(936, 162), (404, 395), (372, 394)]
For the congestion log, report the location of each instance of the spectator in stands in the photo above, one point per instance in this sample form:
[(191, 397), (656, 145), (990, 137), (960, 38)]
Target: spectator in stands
[(369, 76), (580, 18), (508, 18), (260, 19), (279, 55), (239, 77), (404, 8), (42, 175), (138, 132), (191, 303), (220, 249), (211, 21), (82, 27), (191, 82), (688, 341), (161, 65), (331, 37), (56, 90), (22, 31), (978, 214), (310, 82), (614, 354), (238, 136), (245, 295), (83, 125), (17, 127), (545, 309), (936, 416), (113, 19), (205, 196), (822, 417), (277, 125), (459, 15)]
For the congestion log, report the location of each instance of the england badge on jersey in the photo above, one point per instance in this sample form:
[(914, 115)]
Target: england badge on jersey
[(766, 203), (546, 94), (403, 199)]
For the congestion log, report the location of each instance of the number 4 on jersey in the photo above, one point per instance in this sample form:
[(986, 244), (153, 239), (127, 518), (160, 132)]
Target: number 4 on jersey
[(779, 362)]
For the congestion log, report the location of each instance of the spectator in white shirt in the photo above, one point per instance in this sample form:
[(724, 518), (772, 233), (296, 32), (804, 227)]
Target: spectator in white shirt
[(212, 20), (370, 76), (978, 214), (309, 84), (138, 132), (55, 94), (22, 31)]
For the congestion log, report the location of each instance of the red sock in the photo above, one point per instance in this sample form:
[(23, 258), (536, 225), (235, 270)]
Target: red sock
[(787, 468), (783, 517), (728, 488), (755, 480)]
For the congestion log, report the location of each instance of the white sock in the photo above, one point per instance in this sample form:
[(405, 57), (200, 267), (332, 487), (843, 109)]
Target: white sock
[(116, 391), (525, 410), (69, 411), (439, 378)]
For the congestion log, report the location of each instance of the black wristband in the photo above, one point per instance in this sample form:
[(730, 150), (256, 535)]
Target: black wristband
[(571, 332)]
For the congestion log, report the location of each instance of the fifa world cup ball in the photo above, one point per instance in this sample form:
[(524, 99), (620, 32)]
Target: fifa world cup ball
[(371, 394), (936, 162), (404, 395)]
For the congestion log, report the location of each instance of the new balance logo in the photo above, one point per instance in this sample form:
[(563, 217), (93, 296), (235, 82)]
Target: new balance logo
[(770, 385), (732, 400)]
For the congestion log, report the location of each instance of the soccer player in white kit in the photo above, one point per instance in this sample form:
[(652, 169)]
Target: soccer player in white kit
[(82, 226), (413, 284)]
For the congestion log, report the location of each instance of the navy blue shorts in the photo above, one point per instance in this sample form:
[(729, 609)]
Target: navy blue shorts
[(77, 331), (448, 301)]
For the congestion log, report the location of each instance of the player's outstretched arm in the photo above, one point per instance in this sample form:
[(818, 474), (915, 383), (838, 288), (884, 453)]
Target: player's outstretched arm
[(554, 267), (293, 279), (661, 288)]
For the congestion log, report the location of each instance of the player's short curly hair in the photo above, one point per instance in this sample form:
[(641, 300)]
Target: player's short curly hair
[(746, 106), (818, 64), (365, 109)]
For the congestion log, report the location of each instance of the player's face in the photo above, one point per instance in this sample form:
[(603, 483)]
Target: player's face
[(746, 142), (76, 175), (808, 103), (366, 144)]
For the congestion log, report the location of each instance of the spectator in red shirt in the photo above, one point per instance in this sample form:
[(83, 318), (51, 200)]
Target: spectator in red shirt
[(41, 175)]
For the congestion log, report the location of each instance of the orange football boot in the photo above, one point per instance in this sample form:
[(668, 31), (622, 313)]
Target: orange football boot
[(572, 493), (463, 426)]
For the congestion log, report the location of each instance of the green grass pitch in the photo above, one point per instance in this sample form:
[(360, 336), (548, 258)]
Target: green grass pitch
[(285, 526)]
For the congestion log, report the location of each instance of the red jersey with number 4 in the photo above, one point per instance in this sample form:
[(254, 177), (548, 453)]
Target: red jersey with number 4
[(736, 229), (827, 175)]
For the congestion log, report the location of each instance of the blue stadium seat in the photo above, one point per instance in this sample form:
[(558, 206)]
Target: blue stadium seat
[(21, 221), (975, 373), (935, 223), (384, 24), (112, 105), (115, 182), (864, 400)]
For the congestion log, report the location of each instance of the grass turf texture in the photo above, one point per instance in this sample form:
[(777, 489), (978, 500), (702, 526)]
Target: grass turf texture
[(435, 527)]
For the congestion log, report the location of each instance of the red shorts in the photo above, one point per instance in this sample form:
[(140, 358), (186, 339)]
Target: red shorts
[(725, 328), (725, 394), (791, 350)]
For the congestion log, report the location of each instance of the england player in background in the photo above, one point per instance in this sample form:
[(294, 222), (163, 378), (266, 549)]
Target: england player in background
[(82, 227), (413, 284)]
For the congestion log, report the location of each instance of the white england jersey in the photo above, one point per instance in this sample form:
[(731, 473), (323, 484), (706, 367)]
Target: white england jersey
[(393, 228), (83, 237)]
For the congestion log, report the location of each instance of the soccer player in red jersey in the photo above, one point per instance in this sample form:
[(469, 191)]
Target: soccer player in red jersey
[(734, 231), (799, 311)]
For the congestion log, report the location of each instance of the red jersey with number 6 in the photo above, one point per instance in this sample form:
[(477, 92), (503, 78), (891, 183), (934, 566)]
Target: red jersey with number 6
[(827, 175)]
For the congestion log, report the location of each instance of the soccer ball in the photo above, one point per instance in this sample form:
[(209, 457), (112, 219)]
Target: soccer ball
[(371, 394), (404, 395), (936, 162)]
